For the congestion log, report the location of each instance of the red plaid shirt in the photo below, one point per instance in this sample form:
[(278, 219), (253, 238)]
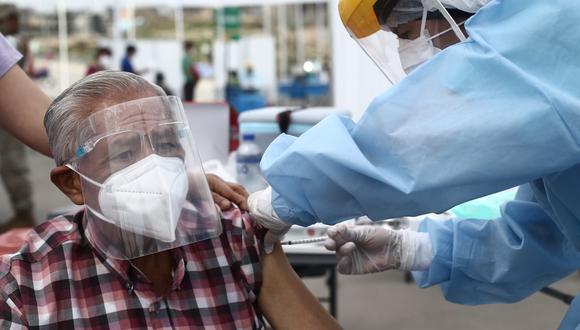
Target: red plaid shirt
[(58, 281)]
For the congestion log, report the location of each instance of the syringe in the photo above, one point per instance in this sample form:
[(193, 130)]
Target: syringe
[(305, 241)]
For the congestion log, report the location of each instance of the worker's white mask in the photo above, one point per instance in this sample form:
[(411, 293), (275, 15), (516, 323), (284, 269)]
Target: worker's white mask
[(414, 52)]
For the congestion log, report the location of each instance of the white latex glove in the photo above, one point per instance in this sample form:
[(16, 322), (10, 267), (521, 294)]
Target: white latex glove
[(261, 211), (370, 249)]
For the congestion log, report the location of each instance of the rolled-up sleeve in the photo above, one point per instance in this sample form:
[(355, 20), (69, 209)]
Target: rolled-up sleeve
[(9, 56)]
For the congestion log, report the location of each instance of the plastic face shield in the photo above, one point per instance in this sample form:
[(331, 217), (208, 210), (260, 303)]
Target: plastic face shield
[(142, 179), (375, 25)]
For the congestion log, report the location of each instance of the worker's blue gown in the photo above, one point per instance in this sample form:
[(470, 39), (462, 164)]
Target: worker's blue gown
[(499, 110)]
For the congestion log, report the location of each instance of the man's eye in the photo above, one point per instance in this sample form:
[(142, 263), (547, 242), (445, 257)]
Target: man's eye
[(166, 146), (123, 156)]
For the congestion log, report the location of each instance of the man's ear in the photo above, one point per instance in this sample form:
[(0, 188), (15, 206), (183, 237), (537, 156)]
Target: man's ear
[(69, 183)]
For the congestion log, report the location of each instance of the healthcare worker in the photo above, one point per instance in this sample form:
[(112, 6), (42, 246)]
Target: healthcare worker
[(497, 110)]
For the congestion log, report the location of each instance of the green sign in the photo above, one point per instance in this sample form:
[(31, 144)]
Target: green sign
[(232, 21)]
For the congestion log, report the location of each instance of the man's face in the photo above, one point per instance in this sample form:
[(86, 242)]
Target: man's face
[(134, 134), (11, 25), (137, 134)]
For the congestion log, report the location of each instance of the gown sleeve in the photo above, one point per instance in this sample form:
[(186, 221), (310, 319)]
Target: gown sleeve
[(498, 261)]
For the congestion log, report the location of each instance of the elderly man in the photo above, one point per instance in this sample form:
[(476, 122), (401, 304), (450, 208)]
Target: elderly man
[(150, 249)]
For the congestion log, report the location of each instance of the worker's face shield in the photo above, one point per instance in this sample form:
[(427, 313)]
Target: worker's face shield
[(142, 179), (422, 27)]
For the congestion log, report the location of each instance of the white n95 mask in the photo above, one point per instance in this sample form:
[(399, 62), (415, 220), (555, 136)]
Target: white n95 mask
[(145, 198), (414, 52)]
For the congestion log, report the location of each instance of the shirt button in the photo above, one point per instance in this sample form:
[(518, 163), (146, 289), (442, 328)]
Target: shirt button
[(129, 286), (154, 307)]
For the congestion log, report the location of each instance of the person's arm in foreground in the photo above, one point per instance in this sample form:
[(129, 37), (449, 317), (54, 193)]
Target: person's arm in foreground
[(285, 300), (22, 109), (496, 111)]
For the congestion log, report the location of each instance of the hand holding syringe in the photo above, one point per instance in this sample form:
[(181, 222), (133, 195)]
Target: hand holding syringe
[(392, 223)]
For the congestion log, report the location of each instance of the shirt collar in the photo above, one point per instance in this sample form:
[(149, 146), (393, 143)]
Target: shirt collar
[(124, 269)]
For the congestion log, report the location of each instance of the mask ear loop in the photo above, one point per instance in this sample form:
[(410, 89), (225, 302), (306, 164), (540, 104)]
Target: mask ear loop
[(91, 181), (443, 32), (70, 167), (423, 22), (450, 20), (422, 34)]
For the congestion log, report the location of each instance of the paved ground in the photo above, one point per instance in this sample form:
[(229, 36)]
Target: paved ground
[(381, 301), (384, 301)]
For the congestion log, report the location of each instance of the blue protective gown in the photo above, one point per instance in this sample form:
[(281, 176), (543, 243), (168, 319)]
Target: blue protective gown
[(499, 110)]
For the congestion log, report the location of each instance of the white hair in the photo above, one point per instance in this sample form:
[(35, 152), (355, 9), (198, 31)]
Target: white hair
[(88, 95)]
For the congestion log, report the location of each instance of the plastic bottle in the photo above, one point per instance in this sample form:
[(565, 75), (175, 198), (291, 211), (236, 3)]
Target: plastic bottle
[(248, 164)]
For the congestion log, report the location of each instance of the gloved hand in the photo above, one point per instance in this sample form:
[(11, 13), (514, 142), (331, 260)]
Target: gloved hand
[(261, 211), (370, 249)]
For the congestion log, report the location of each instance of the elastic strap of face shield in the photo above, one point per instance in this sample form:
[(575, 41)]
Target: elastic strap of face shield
[(450, 20), (383, 9), (424, 21), (458, 15)]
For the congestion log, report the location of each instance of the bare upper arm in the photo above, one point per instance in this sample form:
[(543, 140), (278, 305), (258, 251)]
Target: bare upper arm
[(285, 300)]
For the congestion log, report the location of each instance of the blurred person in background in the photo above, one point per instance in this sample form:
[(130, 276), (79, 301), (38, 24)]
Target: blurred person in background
[(127, 62), (10, 22), (14, 169), (190, 74), (249, 79), (101, 62), (160, 81), (233, 80)]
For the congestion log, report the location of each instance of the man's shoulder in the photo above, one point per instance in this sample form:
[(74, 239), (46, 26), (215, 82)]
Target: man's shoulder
[(43, 241), (237, 222), (241, 233)]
